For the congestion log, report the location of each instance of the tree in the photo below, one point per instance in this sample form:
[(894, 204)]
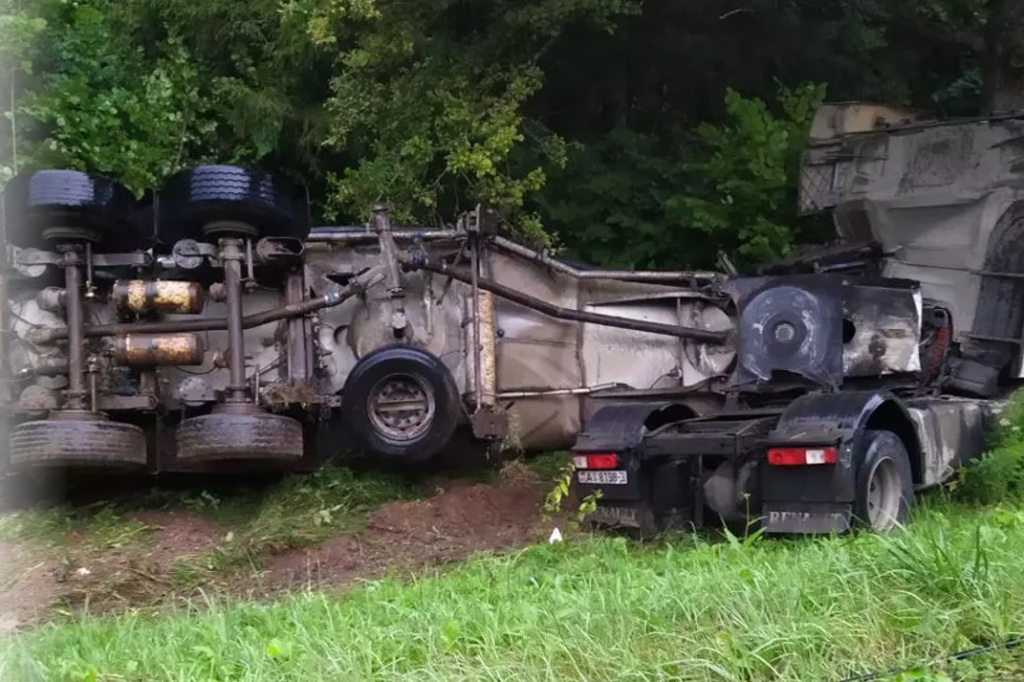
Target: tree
[(1004, 64)]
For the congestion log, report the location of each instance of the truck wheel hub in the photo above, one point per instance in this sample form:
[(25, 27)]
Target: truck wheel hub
[(401, 407)]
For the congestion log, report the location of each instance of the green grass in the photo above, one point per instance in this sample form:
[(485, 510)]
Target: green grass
[(100, 526), (299, 511), (596, 609)]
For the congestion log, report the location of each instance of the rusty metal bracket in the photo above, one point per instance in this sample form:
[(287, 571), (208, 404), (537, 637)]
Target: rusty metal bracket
[(489, 425)]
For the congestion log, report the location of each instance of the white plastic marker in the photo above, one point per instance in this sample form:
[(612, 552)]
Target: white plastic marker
[(556, 536)]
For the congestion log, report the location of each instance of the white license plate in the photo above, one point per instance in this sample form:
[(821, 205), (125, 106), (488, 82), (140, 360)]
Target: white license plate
[(604, 477)]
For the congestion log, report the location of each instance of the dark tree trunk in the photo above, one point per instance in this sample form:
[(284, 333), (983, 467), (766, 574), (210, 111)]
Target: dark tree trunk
[(1004, 61)]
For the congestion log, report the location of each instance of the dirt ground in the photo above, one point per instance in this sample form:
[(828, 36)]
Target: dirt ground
[(166, 563)]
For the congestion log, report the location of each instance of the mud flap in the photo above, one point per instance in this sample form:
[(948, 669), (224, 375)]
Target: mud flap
[(625, 515), (804, 518)]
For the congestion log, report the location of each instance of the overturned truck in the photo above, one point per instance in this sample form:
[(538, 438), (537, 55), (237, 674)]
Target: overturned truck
[(209, 326)]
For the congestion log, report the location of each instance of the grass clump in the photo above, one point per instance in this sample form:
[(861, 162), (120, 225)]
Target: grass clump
[(100, 526), (598, 609)]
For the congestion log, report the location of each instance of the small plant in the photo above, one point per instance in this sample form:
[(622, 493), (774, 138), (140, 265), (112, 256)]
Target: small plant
[(204, 501), (561, 491)]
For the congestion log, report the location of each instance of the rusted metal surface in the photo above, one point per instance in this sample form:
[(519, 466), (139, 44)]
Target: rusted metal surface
[(488, 351), (73, 439), (75, 394), (947, 430), (490, 425), (882, 330), (156, 350), (166, 296), (231, 255), (242, 435), (300, 360)]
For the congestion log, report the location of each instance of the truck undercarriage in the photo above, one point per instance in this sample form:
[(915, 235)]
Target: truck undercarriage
[(208, 326)]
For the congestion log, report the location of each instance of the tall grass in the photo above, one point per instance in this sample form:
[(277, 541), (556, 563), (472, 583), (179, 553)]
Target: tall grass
[(599, 609)]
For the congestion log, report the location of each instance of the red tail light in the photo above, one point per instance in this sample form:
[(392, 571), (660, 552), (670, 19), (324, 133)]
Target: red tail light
[(596, 461), (801, 456)]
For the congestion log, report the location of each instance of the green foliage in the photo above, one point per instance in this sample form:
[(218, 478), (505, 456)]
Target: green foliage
[(746, 195), (20, 27), (998, 475), (644, 201), (97, 101), (561, 491), (597, 125), (431, 101), (108, 109)]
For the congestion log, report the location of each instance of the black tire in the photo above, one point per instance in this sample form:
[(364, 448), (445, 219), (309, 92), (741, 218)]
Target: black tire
[(73, 443), (224, 436), (194, 198), (408, 436), (53, 205), (885, 484)]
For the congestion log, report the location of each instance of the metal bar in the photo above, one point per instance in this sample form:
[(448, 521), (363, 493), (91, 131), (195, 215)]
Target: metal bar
[(684, 275), (298, 361), (392, 272), (583, 390), (552, 310), (75, 393), (430, 235), (231, 255), (994, 339), (331, 299), (324, 235), (999, 275)]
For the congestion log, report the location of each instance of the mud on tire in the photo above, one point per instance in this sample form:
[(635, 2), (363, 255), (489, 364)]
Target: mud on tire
[(226, 436), (71, 443)]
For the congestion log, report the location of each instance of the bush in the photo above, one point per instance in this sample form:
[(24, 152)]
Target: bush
[(998, 475)]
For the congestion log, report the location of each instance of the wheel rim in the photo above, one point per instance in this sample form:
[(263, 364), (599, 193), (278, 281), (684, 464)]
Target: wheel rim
[(401, 407), (884, 495)]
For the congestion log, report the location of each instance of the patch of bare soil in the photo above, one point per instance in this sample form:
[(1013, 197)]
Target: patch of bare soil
[(36, 581), (178, 535), (459, 522)]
